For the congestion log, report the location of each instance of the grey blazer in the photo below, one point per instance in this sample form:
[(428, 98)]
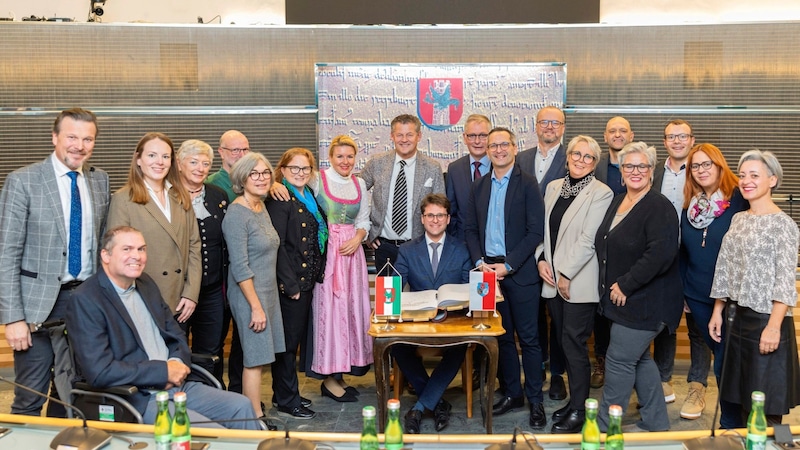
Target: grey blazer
[(377, 175), (574, 255), (34, 240)]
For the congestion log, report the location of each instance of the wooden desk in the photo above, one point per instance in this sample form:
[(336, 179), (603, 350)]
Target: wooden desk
[(456, 330)]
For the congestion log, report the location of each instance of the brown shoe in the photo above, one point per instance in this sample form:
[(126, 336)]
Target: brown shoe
[(598, 373), (695, 401)]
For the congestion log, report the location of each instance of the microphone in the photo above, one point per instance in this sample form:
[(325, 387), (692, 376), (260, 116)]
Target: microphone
[(723, 441), (513, 444), (79, 438), (285, 442)]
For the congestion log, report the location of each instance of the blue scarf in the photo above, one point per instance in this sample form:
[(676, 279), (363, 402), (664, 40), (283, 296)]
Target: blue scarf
[(307, 198)]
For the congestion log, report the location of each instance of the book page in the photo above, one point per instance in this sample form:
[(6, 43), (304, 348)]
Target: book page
[(453, 295), (416, 301)]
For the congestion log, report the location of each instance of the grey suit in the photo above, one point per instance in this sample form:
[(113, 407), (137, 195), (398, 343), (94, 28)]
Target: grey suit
[(377, 175), (33, 255)]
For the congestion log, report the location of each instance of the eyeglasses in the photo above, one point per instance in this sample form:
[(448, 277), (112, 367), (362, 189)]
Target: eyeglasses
[(297, 169), (237, 151), (435, 216), (628, 168), (553, 123), (683, 137), (477, 137), (255, 176), (500, 145), (587, 158), (705, 165)]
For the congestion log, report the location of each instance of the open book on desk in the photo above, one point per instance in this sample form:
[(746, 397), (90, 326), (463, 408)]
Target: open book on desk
[(423, 305)]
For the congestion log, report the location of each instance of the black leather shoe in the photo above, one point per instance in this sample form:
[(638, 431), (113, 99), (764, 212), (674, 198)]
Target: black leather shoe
[(298, 412), (441, 414), (413, 419), (352, 391), (538, 419), (344, 398), (558, 391), (507, 404), (268, 424), (303, 401), (571, 423), (561, 412)]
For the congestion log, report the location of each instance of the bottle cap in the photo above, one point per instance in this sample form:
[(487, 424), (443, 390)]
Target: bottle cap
[(162, 396), (393, 403), (615, 410), (368, 411), (758, 396), (590, 403), (179, 397)]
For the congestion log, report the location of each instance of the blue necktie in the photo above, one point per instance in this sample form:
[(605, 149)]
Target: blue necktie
[(75, 227)]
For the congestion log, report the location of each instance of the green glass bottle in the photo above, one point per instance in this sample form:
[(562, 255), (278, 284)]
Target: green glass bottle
[(393, 436), (369, 435), (590, 434), (614, 438), (181, 436), (757, 423), (163, 424)]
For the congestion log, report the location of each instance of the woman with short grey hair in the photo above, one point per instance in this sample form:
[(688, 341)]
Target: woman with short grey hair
[(756, 272)]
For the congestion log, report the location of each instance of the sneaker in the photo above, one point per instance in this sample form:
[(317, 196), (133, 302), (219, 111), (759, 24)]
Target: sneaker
[(598, 377), (695, 401), (669, 393)]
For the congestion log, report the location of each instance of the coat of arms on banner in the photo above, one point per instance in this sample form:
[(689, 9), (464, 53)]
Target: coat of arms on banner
[(388, 292), (440, 101), (482, 294)]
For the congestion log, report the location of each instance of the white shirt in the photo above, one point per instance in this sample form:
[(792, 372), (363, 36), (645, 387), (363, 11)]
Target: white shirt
[(88, 248), (153, 196), (543, 162), (429, 241), (388, 232)]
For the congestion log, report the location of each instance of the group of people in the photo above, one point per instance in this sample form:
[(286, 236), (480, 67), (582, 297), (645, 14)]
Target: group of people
[(615, 244)]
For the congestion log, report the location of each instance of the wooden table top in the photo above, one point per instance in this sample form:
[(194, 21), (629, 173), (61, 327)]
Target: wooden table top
[(455, 325)]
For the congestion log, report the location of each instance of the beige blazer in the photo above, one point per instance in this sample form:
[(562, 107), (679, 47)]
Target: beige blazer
[(574, 254), (173, 248)]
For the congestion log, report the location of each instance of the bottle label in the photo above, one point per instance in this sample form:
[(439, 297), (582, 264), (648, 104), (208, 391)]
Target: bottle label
[(182, 443), (163, 442), (756, 441), (590, 446)]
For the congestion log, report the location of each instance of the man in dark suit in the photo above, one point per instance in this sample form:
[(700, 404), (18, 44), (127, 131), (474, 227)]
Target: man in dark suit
[(505, 223), (463, 171), (547, 162), (51, 216), (122, 332), (617, 135), (399, 179), (424, 266)]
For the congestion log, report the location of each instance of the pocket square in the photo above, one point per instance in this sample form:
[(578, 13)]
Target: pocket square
[(429, 182)]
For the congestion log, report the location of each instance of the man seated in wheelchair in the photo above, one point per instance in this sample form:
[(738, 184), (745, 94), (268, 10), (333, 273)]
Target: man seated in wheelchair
[(121, 332)]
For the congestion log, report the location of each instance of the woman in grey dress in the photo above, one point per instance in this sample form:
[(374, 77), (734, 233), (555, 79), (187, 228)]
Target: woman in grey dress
[(252, 289)]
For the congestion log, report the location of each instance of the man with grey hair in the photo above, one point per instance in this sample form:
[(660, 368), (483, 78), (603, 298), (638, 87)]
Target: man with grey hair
[(462, 172)]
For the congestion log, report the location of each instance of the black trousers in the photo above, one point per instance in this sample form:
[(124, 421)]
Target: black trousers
[(236, 358), (573, 323), (295, 331)]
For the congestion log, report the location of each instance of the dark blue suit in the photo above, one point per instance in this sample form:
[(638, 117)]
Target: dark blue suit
[(414, 266), (524, 230), (526, 160), (108, 350), (458, 184)]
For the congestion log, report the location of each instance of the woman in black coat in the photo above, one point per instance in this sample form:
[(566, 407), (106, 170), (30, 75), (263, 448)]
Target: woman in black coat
[(640, 286)]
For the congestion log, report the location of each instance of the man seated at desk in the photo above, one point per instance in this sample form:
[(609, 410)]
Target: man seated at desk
[(122, 332), (428, 262)]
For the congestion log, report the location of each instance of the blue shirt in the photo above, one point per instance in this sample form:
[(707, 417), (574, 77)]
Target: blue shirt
[(614, 179), (496, 219)]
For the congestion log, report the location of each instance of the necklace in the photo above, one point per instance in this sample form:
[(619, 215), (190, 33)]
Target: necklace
[(638, 197), (195, 192), (251, 205)]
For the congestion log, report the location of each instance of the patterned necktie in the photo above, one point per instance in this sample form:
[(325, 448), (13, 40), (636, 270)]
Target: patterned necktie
[(435, 256), (476, 173), (400, 203), (75, 227)]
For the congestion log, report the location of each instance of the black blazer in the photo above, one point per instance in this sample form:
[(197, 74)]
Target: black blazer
[(458, 184), (108, 349), (641, 255), (524, 221), (300, 262), (214, 251)]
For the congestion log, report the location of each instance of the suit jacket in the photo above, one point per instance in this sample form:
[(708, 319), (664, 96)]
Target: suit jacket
[(574, 254), (601, 169), (34, 238), (377, 175), (458, 184), (524, 222), (658, 175), (215, 253), (173, 259), (414, 265), (107, 347), (558, 169)]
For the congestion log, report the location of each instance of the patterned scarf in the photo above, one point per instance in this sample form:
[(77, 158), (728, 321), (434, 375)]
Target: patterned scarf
[(703, 210)]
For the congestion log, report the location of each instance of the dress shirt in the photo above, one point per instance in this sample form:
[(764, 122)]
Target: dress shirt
[(483, 168), (543, 162), (429, 241), (87, 235), (672, 186), (496, 220), (388, 232)]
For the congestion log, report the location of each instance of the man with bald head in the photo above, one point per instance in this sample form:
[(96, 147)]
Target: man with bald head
[(232, 146), (618, 134)]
